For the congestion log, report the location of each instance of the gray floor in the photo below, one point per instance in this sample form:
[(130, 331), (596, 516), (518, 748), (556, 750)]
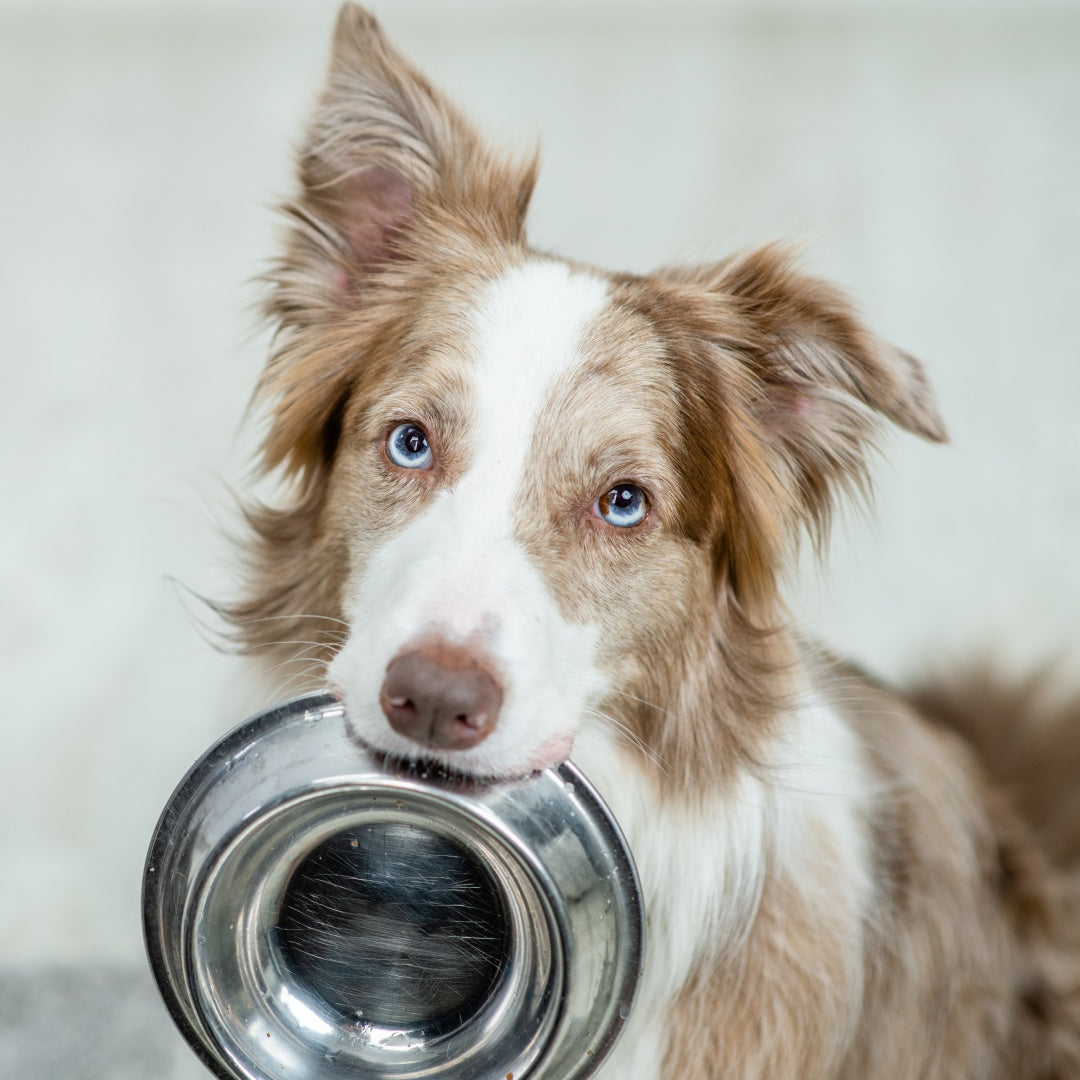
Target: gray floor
[(101, 1023)]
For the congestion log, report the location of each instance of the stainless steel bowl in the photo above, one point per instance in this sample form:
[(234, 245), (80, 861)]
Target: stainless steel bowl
[(311, 912)]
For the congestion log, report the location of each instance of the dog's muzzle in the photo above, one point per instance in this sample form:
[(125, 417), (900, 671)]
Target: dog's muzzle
[(310, 912)]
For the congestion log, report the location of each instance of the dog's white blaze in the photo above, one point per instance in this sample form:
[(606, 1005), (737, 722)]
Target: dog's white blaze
[(457, 572)]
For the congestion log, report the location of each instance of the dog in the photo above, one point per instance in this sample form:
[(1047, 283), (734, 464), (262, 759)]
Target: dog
[(537, 511)]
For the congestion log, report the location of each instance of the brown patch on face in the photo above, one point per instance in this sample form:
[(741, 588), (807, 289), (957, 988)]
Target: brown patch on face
[(747, 396), (401, 358), (683, 602)]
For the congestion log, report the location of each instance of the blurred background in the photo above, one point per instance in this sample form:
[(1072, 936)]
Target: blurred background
[(928, 156)]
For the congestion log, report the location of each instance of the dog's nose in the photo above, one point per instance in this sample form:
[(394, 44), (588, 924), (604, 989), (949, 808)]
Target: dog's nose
[(442, 696)]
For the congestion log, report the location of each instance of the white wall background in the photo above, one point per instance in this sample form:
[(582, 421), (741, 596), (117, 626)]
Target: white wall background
[(929, 155)]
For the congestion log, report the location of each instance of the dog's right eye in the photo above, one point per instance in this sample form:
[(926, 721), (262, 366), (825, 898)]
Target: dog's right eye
[(407, 447)]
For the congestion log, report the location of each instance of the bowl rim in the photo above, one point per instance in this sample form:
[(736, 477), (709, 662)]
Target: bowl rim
[(174, 978)]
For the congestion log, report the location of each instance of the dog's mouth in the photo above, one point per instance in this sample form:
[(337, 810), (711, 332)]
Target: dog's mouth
[(422, 767), (429, 765)]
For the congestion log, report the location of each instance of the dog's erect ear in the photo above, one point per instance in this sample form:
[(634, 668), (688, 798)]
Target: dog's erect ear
[(820, 381), (385, 153), (391, 176)]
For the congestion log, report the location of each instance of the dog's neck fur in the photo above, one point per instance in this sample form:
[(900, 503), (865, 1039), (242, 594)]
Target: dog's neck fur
[(793, 825)]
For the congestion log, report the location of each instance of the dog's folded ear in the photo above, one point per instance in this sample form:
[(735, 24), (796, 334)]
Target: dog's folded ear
[(818, 380), (810, 344), (386, 156)]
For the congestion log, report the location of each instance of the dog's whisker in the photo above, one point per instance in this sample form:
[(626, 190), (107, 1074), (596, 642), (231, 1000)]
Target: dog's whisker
[(293, 661), (300, 616), (225, 639), (309, 678), (218, 638), (256, 648), (633, 738), (290, 641), (642, 701)]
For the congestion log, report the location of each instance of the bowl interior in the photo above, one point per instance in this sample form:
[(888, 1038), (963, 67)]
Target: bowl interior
[(396, 925), (376, 933)]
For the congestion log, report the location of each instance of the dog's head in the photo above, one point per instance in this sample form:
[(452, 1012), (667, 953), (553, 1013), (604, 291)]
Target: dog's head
[(532, 498)]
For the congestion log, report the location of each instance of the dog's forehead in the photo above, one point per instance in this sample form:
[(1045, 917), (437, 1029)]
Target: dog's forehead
[(529, 328), (547, 343)]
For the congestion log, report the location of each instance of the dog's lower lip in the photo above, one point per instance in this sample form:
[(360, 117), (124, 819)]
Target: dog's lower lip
[(434, 768), (396, 762)]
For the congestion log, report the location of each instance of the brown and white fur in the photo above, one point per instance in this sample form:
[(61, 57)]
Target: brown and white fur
[(836, 887)]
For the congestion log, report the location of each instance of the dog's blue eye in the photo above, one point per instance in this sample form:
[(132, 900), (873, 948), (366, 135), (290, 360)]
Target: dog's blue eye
[(623, 506), (407, 447)]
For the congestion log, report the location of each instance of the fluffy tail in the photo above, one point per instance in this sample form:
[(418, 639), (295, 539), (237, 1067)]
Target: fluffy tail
[(1027, 732)]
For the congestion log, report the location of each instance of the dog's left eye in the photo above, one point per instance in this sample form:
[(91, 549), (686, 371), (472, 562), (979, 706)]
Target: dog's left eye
[(624, 506), (408, 448)]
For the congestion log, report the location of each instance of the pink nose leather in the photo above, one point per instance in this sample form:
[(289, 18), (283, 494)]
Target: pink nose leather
[(441, 696)]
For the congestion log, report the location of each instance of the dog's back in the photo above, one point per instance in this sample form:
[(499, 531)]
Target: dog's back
[(1026, 732), (997, 846)]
